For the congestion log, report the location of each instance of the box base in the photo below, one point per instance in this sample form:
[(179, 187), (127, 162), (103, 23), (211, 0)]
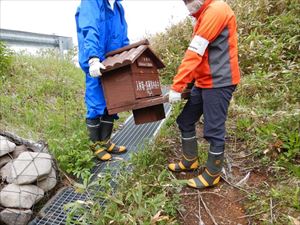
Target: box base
[(149, 114)]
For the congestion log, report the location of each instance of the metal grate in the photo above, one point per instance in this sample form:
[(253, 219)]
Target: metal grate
[(53, 212), (133, 136)]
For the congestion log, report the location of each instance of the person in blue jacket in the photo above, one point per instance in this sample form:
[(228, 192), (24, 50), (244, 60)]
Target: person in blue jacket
[(101, 28)]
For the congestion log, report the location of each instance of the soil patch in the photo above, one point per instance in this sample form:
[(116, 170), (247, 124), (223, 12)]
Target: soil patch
[(223, 204)]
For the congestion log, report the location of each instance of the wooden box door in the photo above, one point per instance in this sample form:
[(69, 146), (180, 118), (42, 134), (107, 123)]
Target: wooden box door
[(118, 89)]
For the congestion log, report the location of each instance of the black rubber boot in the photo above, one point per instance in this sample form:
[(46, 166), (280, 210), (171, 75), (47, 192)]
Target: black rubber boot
[(106, 128), (94, 130), (212, 173), (93, 126), (190, 154)]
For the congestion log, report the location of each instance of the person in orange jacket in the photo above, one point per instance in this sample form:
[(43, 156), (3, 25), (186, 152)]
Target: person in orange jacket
[(211, 61)]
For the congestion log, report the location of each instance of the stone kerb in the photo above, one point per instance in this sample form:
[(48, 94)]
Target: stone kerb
[(27, 171)]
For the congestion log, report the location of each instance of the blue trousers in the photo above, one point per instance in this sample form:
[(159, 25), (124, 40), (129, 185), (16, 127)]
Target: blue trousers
[(94, 97), (213, 104)]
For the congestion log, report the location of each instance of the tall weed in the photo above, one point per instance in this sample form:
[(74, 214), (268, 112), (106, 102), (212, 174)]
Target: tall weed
[(44, 99), (6, 57)]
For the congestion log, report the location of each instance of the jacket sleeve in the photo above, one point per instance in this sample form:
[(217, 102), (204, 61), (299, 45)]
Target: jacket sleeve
[(209, 28), (125, 40), (92, 25)]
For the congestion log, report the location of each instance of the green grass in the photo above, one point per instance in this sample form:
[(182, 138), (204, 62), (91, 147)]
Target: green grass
[(147, 192), (267, 102), (42, 97), (5, 60), (264, 114)]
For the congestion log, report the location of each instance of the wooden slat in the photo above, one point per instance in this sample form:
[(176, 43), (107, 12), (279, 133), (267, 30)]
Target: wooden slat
[(150, 102), (142, 103), (128, 47)]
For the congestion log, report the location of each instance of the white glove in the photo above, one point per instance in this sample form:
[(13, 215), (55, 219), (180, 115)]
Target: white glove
[(174, 96), (95, 66)]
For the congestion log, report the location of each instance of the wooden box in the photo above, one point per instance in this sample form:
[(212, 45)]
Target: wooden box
[(131, 82)]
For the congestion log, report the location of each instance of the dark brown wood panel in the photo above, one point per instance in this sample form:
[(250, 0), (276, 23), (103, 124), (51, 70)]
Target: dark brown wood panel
[(143, 70), (142, 103), (149, 114), (118, 88)]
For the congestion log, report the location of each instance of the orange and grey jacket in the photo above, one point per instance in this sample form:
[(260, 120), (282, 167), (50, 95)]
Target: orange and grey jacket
[(212, 57)]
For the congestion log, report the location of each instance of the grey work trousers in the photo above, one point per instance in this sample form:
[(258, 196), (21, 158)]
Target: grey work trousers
[(213, 104)]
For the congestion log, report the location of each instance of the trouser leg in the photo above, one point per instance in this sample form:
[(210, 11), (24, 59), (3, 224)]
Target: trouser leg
[(191, 112), (215, 105), (95, 104), (94, 97), (186, 122)]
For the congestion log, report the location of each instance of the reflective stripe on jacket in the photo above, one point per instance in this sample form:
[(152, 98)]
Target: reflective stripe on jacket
[(100, 29), (212, 58)]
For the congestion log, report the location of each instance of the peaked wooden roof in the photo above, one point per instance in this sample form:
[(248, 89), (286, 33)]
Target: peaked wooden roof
[(128, 55)]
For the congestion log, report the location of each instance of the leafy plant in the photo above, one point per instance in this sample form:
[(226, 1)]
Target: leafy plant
[(6, 57), (74, 154), (44, 99), (146, 192)]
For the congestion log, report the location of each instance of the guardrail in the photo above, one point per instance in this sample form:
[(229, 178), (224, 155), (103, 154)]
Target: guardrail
[(29, 39)]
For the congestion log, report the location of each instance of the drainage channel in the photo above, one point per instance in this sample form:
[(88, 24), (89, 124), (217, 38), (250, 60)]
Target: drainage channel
[(134, 137)]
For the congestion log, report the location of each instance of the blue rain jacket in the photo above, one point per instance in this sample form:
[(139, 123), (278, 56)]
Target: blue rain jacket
[(100, 29)]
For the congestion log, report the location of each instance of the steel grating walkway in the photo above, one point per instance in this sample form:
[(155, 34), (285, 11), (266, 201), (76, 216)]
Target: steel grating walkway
[(134, 137)]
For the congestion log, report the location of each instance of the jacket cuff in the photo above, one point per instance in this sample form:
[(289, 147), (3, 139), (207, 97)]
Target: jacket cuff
[(94, 56)]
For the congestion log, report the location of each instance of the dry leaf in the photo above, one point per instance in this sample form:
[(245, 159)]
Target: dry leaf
[(294, 220), (156, 218)]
